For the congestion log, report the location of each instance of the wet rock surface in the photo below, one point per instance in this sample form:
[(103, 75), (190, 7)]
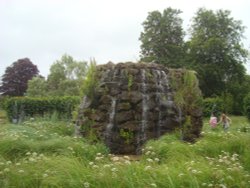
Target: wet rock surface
[(134, 102)]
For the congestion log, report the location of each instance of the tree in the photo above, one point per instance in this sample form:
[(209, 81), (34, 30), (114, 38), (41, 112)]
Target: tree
[(37, 87), (66, 76), (216, 52), (16, 77), (162, 38)]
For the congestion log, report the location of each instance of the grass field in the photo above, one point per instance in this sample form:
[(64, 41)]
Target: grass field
[(43, 153)]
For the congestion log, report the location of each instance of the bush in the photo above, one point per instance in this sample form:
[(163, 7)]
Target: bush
[(212, 105), (17, 108), (247, 106)]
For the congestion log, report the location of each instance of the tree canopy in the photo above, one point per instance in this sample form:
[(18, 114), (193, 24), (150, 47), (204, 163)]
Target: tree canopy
[(162, 38), (215, 50), (16, 77), (65, 78)]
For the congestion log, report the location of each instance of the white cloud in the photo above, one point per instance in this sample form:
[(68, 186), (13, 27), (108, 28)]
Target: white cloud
[(43, 30)]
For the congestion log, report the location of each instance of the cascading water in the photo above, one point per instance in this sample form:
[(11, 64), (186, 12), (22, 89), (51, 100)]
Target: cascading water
[(142, 137), (165, 79), (133, 102), (110, 125), (159, 94)]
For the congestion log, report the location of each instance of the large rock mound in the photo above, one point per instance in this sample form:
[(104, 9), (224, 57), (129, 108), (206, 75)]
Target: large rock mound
[(132, 103)]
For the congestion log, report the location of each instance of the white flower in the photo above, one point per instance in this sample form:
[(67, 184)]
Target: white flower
[(114, 170), (149, 160), (115, 158), (222, 186), (181, 174), (28, 153), (18, 164), (147, 168), (91, 163), (98, 158), (21, 171), (6, 170), (98, 154), (86, 184), (95, 166), (70, 148), (8, 162), (106, 166), (148, 153), (34, 154), (153, 185), (45, 175), (157, 159), (41, 155), (126, 157), (127, 162), (194, 171), (149, 147), (32, 159)]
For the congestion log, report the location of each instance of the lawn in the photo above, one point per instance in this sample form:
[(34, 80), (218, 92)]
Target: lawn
[(45, 153)]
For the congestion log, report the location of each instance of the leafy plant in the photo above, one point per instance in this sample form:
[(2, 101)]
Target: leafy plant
[(127, 135), (90, 82)]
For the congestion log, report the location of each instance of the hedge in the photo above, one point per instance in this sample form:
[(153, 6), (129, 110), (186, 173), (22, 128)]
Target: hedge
[(20, 107)]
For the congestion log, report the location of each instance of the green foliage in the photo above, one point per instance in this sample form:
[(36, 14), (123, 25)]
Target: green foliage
[(37, 87), (228, 102), (162, 38), (187, 93), (212, 105), (44, 154), (238, 92), (90, 82), (216, 50), (127, 135), (65, 79), (247, 106), (20, 107), (16, 77)]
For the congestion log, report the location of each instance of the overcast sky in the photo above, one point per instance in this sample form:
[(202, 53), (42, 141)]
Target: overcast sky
[(107, 30)]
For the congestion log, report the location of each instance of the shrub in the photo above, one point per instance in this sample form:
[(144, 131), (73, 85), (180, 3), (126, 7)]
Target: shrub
[(247, 106), (214, 105), (18, 108)]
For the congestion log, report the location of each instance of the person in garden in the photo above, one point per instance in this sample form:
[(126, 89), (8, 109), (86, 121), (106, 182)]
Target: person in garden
[(225, 120), (213, 121)]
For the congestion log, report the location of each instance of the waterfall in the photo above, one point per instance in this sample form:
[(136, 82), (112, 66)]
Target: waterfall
[(112, 112), (142, 137), (166, 81), (110, 125), (105, 76), (163, 86), (159, 96), (144, 106)]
